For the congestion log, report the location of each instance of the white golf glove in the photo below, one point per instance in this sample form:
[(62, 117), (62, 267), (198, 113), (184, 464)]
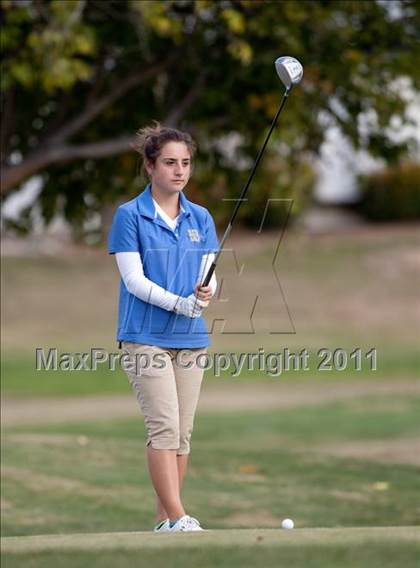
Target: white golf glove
[(190, 307)]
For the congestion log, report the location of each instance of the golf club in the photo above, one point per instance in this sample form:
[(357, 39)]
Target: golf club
[(290, 72)]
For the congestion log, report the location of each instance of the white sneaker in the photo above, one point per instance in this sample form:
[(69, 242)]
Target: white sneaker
[(161, 527), (186, 523)]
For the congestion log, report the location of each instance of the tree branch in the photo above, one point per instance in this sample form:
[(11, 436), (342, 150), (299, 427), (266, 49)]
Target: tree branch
[(174, 117), (97, 106), (54, 149), (55, 122), (34, 162)]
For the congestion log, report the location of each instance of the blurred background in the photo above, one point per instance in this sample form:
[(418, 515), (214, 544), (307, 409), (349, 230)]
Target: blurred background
[(336, 263)]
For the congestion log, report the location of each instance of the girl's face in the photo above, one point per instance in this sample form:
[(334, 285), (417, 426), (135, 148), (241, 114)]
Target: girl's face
[(172, 169)]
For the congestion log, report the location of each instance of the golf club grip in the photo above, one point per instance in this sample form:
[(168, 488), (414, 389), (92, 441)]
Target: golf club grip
[(209, 274)]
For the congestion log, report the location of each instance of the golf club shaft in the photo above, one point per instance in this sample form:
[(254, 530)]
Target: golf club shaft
[(244, 191)]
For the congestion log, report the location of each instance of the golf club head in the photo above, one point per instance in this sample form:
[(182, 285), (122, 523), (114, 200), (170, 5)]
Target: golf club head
[(289, 70)]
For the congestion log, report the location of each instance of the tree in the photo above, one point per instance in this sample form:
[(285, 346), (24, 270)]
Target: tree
[(79, 78)]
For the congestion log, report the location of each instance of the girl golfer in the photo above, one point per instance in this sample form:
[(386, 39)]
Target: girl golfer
[(163, 243)]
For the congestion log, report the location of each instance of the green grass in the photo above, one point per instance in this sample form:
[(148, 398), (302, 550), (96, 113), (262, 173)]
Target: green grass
[(373, 548), (246, 470), (250, 469), (21, 379), (341, 291), (370, 418)]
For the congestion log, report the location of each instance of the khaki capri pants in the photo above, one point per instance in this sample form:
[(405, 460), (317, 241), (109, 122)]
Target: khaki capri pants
[(166, 382)]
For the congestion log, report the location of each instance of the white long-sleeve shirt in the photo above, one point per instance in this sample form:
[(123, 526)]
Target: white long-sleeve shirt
[(131, 269), (130, 266)]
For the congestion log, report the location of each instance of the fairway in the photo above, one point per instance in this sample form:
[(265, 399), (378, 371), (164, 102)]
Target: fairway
[(336, 452), (211, 538), (317, 547), (336, 463)]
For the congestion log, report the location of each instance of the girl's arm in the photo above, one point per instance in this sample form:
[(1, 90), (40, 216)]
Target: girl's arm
[(131, 269)]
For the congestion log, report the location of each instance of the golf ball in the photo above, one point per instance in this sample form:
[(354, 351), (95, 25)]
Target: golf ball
[(287, 524)]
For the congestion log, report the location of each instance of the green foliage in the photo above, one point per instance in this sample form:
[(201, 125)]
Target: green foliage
[(392, 194), (206, 67), (53, 56), (283, 193)]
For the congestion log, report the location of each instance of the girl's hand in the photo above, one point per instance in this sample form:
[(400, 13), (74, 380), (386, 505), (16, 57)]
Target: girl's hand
[(189, 307), (203, 293)]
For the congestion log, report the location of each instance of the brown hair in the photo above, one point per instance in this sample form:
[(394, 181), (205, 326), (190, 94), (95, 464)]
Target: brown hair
[(150, 140)]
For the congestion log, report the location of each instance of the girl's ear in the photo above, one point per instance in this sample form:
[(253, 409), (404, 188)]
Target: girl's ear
[(148, 167)]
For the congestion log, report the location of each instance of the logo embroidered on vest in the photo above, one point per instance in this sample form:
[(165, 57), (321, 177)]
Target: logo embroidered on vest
[(193, 235)]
